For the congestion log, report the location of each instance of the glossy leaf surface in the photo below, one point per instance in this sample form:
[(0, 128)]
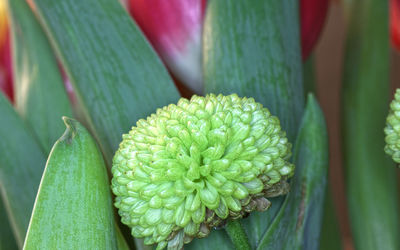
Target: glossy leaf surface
[(298, 223), (253, 49), (73, 208), (117, 76), (21, 165), (40, 97)]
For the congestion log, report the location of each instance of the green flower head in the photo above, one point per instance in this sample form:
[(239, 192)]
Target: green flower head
[(392, 129), (192, 166)]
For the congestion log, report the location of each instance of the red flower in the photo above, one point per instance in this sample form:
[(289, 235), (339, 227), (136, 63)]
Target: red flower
[(312, 14), (395, 23), (6, 78), (174, 29)]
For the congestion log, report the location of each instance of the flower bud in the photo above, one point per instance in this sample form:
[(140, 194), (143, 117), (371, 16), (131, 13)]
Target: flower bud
[(174, 29), (395, 23), (312, 16), (189, 167), (392, 129)]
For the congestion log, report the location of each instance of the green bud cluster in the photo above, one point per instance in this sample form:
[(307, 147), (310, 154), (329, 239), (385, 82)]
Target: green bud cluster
[(392, 129), (193, 165)]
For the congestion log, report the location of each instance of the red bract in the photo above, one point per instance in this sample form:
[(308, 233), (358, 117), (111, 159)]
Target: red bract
[(312, 14), (6, 78), (395, 23), (174, 29)]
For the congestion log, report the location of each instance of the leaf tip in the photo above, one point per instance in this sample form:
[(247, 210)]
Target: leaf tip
[(71, 129)]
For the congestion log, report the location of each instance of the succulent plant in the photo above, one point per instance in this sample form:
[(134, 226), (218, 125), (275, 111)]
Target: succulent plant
[(392, 129), (192, 166)]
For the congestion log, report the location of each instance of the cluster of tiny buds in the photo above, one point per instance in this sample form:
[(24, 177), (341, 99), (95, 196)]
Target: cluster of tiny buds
[(392, 129), (192, 166)]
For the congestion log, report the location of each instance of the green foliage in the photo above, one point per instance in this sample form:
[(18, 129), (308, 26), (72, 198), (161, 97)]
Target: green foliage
[(7, 240), (371, 178), (237, 235), (73, 208), (117, 76), (250, 48), (330, 231), (40, 97), (298, 223), (21, 166), (330, 234)]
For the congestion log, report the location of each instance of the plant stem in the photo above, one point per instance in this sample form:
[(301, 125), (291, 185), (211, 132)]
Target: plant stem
[(237, 235)]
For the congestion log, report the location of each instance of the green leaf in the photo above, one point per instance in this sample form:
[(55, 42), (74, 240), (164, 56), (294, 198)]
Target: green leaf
[(330, 232), (252, 48), (73, 208), (309, 75), (7, 240), (371, 177), (216, 238), (257, 224), (40, 97), (21, 166), (237, 235), (121, 242), (298, 223), (117, 76)]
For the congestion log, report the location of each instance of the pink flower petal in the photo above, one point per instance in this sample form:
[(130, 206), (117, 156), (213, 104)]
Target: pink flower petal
[(174, 29)]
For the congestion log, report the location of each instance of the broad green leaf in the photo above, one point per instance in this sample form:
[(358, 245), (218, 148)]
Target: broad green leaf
[(21, 166), (40, 97), (371, 177), (298, 223), (117, 76), (252, 48), (330, 234), (7, 240), (73, 208)]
